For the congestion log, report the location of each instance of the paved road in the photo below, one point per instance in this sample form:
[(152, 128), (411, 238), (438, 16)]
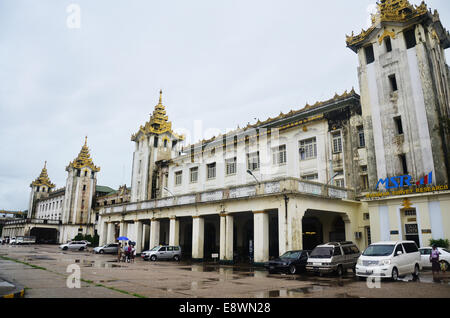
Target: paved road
[(42, 269)]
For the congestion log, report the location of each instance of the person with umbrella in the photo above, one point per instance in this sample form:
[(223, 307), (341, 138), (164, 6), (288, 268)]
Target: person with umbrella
[(122, 251)]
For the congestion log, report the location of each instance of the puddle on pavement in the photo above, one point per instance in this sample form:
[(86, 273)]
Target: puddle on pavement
[(295, 292)]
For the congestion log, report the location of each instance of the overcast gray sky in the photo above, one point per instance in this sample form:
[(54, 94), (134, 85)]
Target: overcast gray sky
[(223, 62)]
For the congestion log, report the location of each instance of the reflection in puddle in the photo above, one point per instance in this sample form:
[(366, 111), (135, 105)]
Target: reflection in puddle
[(296, 292)]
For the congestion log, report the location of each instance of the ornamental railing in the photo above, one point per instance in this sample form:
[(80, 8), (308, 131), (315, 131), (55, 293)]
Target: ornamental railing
[(280, 186)]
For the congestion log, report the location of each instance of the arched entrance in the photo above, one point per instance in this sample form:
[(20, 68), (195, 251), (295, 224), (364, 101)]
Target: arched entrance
[(312, 232), (337, 234)]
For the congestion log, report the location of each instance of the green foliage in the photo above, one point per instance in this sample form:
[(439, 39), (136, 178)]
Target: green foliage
[(440, 243), (94, 240)]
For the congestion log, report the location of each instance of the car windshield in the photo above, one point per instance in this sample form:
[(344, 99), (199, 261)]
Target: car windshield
[(155, 248), (322, 252), (379, 250), (291, 255)]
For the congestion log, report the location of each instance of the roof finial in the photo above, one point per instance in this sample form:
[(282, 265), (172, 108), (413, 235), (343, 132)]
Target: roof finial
[(45, 164), (85, 140), (160, 97)]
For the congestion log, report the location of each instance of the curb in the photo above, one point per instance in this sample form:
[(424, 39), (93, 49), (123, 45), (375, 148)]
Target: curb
[(18, 292)]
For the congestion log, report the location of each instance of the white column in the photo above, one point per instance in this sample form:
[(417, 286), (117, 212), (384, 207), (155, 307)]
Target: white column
[(154, 233), (174, 232), (223, 231), (138, 234), (282, 229), (295, 235), (110, 233), (103, 233), (123, 228), (229, 238), (261, 236), (198, 234)]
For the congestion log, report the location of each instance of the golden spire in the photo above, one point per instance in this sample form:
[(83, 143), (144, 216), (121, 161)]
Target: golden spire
[(84, 159), (160, 97), (43, 178)]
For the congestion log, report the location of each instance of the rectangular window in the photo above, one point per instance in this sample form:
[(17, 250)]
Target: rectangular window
[(398, 125), (231, 166), (393, 82), (337, 142), (340, 183), (178, 177), (410, 212), (311, 177), (361, 140), (155, 142), (410, 38), (387, 42), (308, 149), (279, 155), (364, 182), (404, 164), (84, 187), (165, 143), (194, 175), (253, 161), (370, 56), (211, 170)]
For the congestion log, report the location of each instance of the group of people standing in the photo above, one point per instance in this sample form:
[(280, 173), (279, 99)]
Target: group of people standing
[(126, 253)]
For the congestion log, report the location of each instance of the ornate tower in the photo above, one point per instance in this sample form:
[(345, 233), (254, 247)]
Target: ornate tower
[(155, 142), (405, 94), (80, 191), (40, 188)]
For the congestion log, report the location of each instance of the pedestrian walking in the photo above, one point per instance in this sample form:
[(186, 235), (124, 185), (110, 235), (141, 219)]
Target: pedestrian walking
[(435, 265), (125, 252), (133, 253), (119, 253)]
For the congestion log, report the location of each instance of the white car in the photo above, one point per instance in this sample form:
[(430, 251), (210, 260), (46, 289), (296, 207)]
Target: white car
[(74, 245), (389, 260), (12, 241), (444, 257)]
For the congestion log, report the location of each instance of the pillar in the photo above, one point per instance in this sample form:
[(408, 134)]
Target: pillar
[(295, 226), (261, 236), (282, 230), (103, 234), (174, 232), (198, 234), (154, 233), (223, 229), (123, 228), (138, 234), (348, 228), (110, 234), (229, 238)]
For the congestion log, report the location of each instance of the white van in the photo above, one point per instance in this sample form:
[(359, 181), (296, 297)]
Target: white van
[(389, 260)]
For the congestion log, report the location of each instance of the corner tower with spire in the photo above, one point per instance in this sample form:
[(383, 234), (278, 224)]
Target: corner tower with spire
[(155, 143), (40, 188), (77, 216), (405, 96)]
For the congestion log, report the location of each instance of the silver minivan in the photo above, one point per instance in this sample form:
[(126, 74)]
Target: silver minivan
[(335, 257), (162, 252)]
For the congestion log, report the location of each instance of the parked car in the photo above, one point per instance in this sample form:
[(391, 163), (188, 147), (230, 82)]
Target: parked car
[(107, 249), (162, 252), (12, 241), (335, 257), (291, 262), (20, 240), (444, 257), (389, 260), (74, 245)]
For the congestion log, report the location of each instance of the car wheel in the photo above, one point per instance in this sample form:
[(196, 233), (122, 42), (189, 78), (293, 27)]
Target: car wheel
[(153, 258), (394, 275), (444, 266), (416, 271), (65, 248), (102, 252), (81, 248), (292, 269), (340, 270), (176, 258)]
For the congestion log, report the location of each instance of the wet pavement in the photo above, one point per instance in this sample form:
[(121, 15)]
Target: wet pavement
[(103, 276)]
